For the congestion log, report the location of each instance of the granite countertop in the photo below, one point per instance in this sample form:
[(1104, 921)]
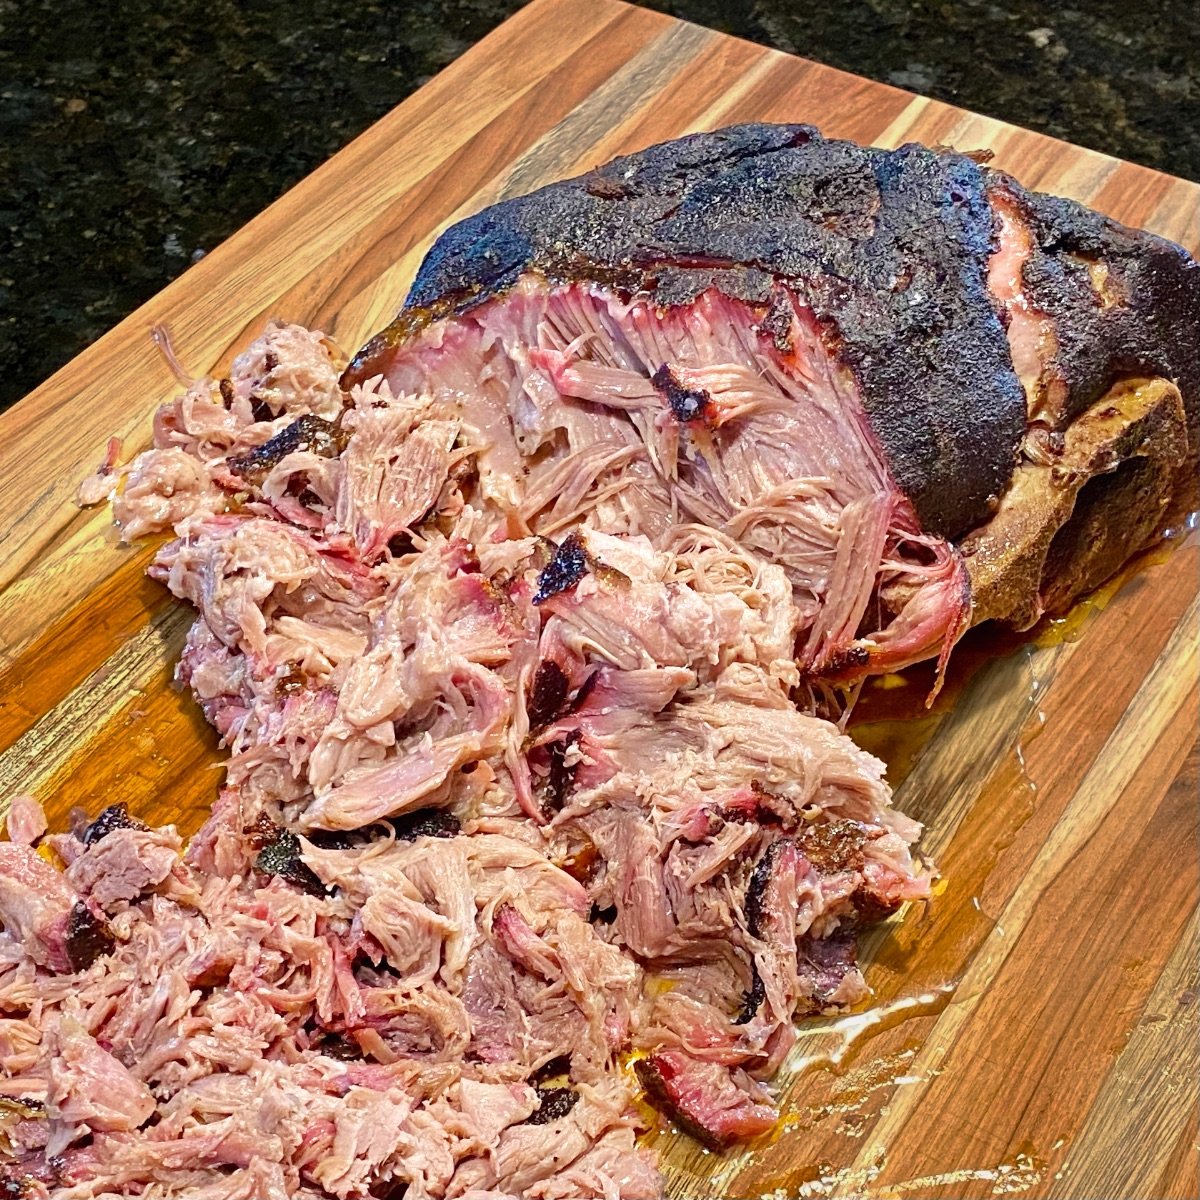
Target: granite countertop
[(136, 136)]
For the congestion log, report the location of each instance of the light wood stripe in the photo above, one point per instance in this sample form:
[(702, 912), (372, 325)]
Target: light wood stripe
[(899, 131), (980, 732), (1178, 213), (38, 758), (719, 112), (1148, 1098)]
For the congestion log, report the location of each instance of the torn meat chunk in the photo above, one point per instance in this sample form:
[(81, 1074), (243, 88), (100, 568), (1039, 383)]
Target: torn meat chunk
[(127, 863), (162, 488), (705, 1099), (25, 821), (38, 907), (89, 1087)]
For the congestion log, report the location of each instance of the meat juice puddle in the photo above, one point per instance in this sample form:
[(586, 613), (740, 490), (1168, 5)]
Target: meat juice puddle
[(892, 722), (1025, 1171)]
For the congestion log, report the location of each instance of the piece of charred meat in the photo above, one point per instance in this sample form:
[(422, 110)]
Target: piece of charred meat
[(280, 855), (320, 437), (703, 1099), (115, 816)]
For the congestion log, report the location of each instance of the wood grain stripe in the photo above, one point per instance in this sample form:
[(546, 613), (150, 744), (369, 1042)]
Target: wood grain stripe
[(1145, 1098), (978, 734), (1159, 698), (38, 757)]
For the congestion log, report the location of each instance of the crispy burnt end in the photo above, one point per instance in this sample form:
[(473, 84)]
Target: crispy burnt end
[(567, 567), (425, 822), (584, 690), (88, 938), (547, 695), (774, 809), (756, 889), (752, 999), (688, 404), (554, 1103), (324, 438), (115, 816), (562, 774), (1122, 302), (650, 1074), (281, 856)]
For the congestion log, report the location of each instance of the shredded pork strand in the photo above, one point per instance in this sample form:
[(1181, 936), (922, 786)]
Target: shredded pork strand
[(505, 649)]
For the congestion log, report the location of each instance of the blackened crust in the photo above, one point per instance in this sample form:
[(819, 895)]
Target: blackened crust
[(311, 432), (889, 248), (756, 889), (568, 566), (1151, 328), (115, 816), (554, 1103), (281, 856), (547, 695), (425, 822), (753, 998)]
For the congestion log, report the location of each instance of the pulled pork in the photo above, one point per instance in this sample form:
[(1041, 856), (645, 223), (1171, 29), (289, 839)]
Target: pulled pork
[(521, 816)]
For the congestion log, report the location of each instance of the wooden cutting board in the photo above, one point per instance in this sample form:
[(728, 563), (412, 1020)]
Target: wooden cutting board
[(1035, 1028)]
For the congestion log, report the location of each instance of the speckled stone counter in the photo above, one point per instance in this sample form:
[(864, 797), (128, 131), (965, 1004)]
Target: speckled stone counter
[(135, 136)]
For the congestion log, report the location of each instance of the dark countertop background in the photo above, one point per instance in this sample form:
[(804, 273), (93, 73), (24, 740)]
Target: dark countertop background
[(137, 135)]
